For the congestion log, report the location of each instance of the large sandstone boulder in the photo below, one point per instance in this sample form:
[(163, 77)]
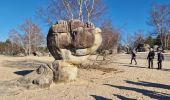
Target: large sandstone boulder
[(76, 36), (70, 43)]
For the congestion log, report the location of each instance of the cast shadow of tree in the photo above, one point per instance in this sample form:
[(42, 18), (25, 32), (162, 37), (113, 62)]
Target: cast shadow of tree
[(149, 93), (99, 97), (149, 84), (137, 66), (122, 97)]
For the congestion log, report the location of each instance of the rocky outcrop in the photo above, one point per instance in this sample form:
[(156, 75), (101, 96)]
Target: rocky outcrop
[(70, 43), (73, 36)]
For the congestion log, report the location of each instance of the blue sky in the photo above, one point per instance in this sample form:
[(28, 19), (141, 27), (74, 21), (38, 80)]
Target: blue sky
[(14, 12), (129, 15)]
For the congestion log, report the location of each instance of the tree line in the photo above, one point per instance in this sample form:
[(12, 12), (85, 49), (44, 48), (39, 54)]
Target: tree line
[(159, 20), (29, 37), (26, 39)]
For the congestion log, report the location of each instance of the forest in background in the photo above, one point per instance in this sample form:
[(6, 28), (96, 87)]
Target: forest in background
[(29, 38)]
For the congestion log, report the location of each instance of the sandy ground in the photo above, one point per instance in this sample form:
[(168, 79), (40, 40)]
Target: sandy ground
[(128, 82)]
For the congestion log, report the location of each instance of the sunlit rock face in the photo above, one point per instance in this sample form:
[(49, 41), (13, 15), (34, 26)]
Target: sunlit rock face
[(71, 35), (70, 43)]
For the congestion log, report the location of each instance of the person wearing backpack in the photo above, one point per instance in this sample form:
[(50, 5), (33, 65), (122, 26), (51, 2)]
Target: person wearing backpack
[(133, 57), (150, 58), (160, 59)]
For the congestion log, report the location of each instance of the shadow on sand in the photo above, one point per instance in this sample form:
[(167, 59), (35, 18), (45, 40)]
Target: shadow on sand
[(23, 72), (149, 84), (99, 97), (122, 97), (137, 66), (149, 93)]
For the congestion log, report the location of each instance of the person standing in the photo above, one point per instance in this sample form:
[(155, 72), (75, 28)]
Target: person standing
[(160, 59), (150, 58), (133, 57)]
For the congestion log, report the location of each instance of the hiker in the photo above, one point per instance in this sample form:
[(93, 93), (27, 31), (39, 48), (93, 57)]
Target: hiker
[(133, 57), (160, 59), (150, 58)]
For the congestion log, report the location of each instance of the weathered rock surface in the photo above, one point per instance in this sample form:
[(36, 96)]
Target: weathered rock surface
[(40, 78), (70, 43), (82, 38), (74, 35), (63, 71)]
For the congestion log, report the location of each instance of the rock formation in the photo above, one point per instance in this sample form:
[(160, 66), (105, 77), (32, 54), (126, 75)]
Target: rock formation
[(70, 43)]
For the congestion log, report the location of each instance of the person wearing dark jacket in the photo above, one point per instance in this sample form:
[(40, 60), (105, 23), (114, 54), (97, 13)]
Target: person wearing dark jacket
[(133, 57), (150, 58), (160, 59)]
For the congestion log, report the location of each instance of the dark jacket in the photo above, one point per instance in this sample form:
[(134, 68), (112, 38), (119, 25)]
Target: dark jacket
[(151, 55), (133, 54), (160, 57)]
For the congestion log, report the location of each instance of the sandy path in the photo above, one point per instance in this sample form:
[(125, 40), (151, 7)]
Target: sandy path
[(130, 82)]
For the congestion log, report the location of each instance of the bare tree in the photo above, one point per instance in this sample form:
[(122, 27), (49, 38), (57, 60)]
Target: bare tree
[(38, 38), (26, 27), (32, 37), (110, 36), (80, 3), (159, 19), (139, 38), (16, 40), (136, 39), (88, 8), (69, 9)]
